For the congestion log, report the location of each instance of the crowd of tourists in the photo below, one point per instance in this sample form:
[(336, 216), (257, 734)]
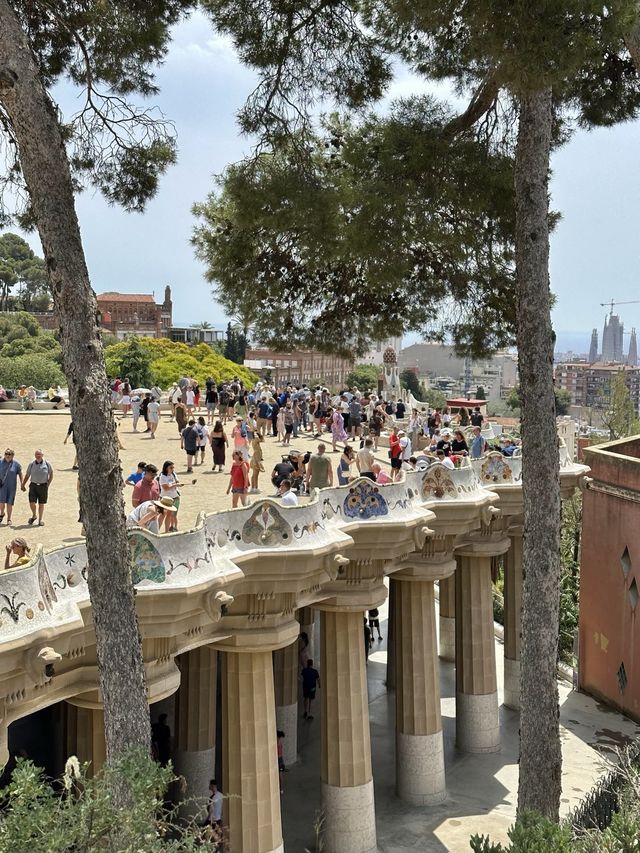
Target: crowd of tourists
[(224, 425)]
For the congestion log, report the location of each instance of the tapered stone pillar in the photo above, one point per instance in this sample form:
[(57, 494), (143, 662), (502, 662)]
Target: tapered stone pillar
[(306, 618), (285, 672), (477, 718), (512, 618), (420, 777), (85, 736), (195, 715), (391, 635), (447, 588), (250, 762), (347, 781)]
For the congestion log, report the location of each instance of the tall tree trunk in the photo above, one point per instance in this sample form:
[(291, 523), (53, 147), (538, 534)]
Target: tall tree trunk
[(540, 755), (45, 167)]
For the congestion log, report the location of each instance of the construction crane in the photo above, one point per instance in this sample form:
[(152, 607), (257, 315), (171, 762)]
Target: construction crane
[(615, 302)]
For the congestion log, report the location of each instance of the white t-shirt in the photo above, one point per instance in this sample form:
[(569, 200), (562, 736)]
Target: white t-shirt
[(289, 499), (153, 411), (191, 397), (165, 479), (215, 807)]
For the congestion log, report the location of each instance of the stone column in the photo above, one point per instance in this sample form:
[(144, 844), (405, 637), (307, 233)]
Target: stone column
[(512, 618), (347, 780), (447, 587), (250, 761), (420, 777), (195, 735), (285, 671), (85, 736), (306, 618), (477, 718), (391, 635)]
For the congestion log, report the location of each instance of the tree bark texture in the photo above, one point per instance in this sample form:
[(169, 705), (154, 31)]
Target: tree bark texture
[(45, 167), (540, 755)]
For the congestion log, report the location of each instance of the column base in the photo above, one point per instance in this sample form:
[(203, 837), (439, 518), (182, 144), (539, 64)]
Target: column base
[(477, 722), (349, 819), (447, 637), (512, 684), (420, 777), (198, 768), (287, 721)]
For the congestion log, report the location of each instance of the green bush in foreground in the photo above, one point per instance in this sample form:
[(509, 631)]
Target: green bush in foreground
[(83, 817), (35, 369)]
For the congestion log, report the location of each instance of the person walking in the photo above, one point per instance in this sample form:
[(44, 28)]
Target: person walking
[(10, 473), (188, 443), (238, 480), (256, 465), (153, 416), (135, 411), (203, 439), (338, 432), (239, 436), (40, 472), (310, 682), (219, 442), (144, 405)]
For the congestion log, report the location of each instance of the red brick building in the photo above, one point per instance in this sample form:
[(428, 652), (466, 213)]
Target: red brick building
[(124, 314), (301, 366), (609, 663)]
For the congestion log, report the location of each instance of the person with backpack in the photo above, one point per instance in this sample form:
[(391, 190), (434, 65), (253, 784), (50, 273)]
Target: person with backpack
[(240, 441), (264, 416), (189, 443)]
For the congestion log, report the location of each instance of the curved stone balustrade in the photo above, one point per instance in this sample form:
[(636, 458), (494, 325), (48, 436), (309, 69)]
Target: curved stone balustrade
[(48, 592)]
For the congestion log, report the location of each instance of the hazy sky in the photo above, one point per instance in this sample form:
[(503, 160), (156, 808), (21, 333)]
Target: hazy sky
[(596, 186)]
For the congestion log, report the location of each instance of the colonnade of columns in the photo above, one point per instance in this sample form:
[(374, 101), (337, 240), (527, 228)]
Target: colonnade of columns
[(260, 696)]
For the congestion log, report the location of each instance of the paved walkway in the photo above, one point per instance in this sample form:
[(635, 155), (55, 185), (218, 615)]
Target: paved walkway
[(482, 789)]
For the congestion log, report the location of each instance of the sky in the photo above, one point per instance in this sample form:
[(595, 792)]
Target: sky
[(595, 186)]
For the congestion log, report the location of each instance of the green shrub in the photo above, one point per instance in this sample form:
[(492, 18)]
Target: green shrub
[(35, 369), (37, 819), (170, 360)]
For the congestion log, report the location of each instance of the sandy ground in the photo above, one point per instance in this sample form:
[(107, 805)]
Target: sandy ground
[(24, 432)]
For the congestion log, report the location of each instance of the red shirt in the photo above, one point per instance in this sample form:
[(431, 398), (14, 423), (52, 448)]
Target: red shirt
[(145, 490), (238, 475), (394, 446)]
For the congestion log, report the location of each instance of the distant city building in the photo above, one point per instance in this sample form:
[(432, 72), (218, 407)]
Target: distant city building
[(300, 366), (593, 349), (196, 335), (438, 366), (632, 358), (124, 314), (589, 385), (612, 340)]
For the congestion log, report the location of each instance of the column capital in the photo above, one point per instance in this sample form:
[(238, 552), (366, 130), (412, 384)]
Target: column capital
[(494, 545), (248, 640), (418, 568)]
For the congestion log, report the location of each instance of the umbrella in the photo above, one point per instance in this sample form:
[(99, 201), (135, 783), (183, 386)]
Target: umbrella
[(142, 391)]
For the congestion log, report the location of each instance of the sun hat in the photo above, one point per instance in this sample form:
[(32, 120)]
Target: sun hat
[(166, 504)]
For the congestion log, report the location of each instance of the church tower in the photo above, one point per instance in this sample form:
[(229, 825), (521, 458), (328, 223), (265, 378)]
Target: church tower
[(593, 349)]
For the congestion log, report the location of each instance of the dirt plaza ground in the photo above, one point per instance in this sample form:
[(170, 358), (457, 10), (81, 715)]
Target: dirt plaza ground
[(24, 432)]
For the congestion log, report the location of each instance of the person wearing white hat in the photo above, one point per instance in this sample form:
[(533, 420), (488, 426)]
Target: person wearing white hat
[(150, 514)]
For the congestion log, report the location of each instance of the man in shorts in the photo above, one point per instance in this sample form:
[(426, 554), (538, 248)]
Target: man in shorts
[(310, 681), (40, 472), (374, 622)]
